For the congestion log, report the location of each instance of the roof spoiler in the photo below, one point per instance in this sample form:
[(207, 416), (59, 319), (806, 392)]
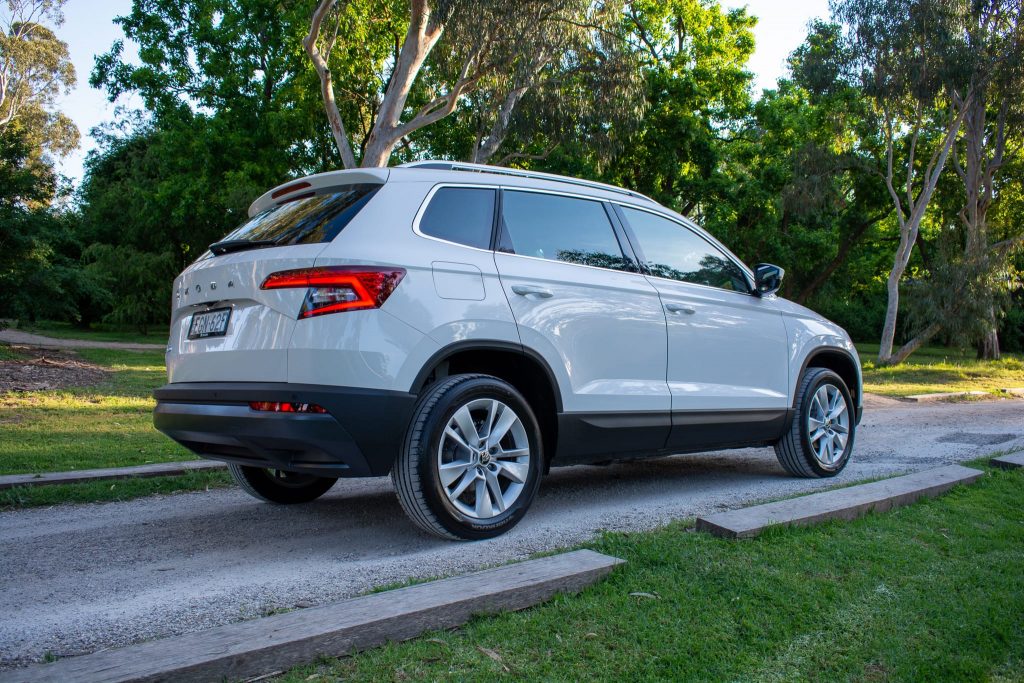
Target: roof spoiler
[(304, 187)]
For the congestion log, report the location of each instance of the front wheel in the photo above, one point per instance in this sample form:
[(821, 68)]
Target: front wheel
[(277, 486), (471, 462), (820, 440)]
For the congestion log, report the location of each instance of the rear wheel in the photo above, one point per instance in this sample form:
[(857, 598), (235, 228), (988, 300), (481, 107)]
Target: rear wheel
[(820, 440), (277, 486), (471, 462)]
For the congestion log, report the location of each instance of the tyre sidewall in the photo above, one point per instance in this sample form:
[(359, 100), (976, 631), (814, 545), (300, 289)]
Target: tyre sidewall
[(262, 483), (434, 492), (825, 377)]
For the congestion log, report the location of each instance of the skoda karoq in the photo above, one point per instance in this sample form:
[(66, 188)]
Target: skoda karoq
[(464, 328)]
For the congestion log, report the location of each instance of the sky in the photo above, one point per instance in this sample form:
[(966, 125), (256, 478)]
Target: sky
[(89, 31)]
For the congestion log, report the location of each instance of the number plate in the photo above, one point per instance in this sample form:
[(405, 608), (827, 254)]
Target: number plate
[(209, 324)]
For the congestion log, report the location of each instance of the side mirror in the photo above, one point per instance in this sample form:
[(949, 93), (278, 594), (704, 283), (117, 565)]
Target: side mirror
[(767, 278)]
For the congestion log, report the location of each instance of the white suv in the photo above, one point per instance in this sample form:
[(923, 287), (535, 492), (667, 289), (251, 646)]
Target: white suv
[(466, 327)]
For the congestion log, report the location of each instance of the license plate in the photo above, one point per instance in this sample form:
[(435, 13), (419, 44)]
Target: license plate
[(209, 324)]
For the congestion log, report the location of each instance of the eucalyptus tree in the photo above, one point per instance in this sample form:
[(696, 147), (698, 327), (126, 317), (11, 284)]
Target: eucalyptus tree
[(485, 58), (995, 116), (920, 65), (35, 68)]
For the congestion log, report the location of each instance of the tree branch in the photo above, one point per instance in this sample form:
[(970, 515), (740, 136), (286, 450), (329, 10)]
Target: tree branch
[(341, 140)]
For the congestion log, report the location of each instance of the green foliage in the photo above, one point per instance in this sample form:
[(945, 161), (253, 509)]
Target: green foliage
[(35, 68)]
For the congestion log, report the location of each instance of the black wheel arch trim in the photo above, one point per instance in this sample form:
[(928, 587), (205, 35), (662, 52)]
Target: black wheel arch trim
[(857, 391), (454, 348)]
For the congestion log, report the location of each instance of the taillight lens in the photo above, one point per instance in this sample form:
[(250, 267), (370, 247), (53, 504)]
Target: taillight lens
[(278, 407), (332, 289)]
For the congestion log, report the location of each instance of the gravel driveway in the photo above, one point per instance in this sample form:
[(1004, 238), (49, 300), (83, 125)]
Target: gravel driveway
[(78, 578)]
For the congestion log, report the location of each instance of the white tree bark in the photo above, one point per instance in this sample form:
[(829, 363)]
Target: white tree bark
[(909, 217), (341, 140)]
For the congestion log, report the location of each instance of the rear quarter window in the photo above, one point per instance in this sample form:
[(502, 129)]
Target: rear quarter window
[(464, 215)]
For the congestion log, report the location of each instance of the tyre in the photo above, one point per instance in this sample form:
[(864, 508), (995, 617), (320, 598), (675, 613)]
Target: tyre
[(472, 458), (276, 486), (820, 439)]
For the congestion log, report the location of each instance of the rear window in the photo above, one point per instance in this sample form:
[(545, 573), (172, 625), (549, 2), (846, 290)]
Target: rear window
[(318, 218), (460, 214)]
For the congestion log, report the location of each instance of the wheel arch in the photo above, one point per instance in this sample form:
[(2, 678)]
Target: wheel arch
[(525, 370), (840, 362)]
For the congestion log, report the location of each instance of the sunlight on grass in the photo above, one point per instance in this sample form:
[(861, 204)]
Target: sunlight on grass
[(935, 369), (109, 425)]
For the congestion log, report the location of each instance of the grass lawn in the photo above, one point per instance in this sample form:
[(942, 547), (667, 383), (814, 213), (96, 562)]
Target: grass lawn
[(931, 592), (936, 369), (109, 425), (98, 332)]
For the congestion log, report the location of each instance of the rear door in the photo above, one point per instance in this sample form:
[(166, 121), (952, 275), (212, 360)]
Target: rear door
[(579, 301), (728, 368)]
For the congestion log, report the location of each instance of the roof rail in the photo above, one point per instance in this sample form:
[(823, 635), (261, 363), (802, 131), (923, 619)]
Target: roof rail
[(537, 175)]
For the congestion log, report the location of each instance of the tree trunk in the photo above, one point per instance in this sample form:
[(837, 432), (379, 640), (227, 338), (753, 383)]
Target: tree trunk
[(892, 287), (910, 221), (988, 345), (913, 345)]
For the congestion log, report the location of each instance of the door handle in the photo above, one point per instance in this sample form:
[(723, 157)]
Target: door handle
[(528, 290), (680, 308)]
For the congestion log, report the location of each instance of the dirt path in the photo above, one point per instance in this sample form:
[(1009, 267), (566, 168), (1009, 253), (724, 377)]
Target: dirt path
[(79, 578), (38, 340)]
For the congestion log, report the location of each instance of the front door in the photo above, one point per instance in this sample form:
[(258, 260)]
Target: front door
[(728, 368), (579, 301)]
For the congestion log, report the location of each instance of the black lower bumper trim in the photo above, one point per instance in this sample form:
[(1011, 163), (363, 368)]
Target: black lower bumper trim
[(358, 437)]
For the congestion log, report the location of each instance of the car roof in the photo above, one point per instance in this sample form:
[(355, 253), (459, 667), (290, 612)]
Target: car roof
[(447, 172)]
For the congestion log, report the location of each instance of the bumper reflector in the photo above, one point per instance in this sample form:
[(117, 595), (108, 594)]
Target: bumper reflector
[(279, 407)]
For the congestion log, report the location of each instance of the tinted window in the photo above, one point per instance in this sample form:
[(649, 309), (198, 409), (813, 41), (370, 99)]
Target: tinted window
[(559, 228), (460, 214), (318, 218), (675, 252)]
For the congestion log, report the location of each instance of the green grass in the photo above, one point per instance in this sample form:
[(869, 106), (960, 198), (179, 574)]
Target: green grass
[(931, 592), (109, 425), (97, 332), (939, 369), (109, 491)]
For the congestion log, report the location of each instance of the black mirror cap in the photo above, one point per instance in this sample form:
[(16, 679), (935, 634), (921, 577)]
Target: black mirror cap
[(768, 278)]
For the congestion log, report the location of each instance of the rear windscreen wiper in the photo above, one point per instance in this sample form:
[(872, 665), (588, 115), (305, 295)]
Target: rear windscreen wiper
[(227, 246)]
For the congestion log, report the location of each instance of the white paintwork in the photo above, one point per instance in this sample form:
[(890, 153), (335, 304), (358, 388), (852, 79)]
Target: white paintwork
[(601, 331), (371, 176), (606, 335), (729, 354)]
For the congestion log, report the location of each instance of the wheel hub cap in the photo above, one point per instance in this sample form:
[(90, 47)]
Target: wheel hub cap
[(828, 425), (483, 458)]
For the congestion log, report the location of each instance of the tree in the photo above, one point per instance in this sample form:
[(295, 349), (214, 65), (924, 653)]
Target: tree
[(34, 69), (489, 56), (918, 64), (994, 114)]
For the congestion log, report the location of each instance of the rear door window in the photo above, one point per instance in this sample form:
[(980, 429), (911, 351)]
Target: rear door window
[(464, 215), (675, 252), (559, 228)]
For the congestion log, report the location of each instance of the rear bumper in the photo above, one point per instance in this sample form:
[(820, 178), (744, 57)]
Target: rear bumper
[(358, 437)]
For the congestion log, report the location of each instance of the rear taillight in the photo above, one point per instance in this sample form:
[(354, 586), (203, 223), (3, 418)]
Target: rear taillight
[(278, 407), (331, 289)]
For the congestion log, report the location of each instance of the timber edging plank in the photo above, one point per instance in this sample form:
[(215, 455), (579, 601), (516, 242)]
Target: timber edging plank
[(1010, 461), (848, 503), (162, 469), (279, 642)]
